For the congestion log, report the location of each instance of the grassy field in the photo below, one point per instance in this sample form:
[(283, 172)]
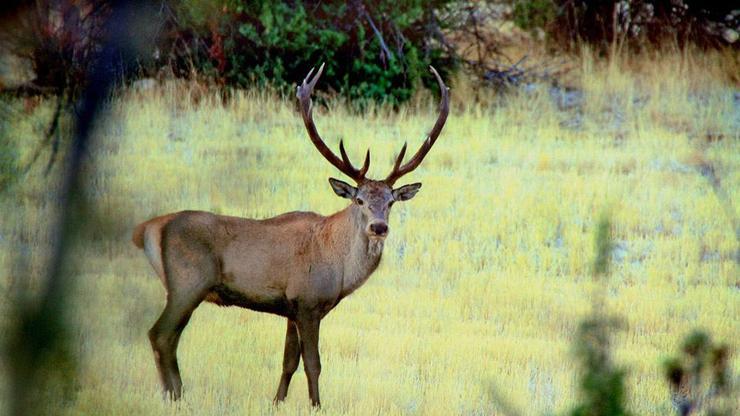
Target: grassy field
[(485, 275)]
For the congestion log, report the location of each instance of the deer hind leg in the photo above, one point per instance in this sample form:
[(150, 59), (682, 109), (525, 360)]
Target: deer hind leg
[(308, 330), (188, 282), (164, 337), (291, 358)]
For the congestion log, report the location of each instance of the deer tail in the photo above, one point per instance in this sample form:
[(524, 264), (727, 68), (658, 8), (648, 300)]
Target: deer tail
[(138, 236), (148, 235)]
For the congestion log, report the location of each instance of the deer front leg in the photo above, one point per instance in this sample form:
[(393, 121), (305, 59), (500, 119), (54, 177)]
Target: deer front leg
[(291, 357), (308, 330)]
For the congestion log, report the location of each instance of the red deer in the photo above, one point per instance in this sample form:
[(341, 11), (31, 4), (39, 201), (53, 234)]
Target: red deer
[(298, 265)]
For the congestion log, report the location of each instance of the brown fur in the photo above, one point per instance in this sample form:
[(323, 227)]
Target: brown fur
[(298, 265)]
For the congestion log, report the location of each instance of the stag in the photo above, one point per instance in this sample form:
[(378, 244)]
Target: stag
[(297, 265)]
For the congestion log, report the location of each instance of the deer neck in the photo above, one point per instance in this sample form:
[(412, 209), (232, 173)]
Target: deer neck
[(358, 255)]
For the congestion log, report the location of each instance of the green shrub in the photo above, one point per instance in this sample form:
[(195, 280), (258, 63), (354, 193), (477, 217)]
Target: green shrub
[(602, 382), (533, 14), (700, 376), (602, 389), (372, 50)]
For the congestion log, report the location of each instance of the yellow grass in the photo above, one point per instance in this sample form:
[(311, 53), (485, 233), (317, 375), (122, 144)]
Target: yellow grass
[(486, 272)]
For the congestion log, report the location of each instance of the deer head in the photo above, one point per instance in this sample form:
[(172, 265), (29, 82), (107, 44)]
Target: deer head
[(371, 198)]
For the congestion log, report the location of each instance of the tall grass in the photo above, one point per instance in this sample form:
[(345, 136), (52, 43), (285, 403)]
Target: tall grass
[(485, 274)]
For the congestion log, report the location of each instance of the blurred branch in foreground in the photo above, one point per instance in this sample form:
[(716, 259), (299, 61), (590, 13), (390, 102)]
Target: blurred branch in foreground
[(700, 377), (37, 349), (601, 382)]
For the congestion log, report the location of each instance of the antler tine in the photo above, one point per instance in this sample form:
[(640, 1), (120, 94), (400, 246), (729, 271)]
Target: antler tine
[(399, 159), (345, 158), (444, 110), (311, 72), (304, 97), (366, 164), (343, 153)]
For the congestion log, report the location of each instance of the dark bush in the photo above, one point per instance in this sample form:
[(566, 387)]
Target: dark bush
[(700, 376), (533, 14), (58, 38), (631, 23), (373, 50)]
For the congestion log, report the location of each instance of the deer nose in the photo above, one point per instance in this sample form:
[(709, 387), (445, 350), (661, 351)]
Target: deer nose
[(379, 228)]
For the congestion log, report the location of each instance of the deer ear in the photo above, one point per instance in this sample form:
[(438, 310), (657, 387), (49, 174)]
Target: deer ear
[(406, 192), (342, 189)]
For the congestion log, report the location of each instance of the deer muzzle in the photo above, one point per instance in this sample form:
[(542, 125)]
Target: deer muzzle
[(377, 229)]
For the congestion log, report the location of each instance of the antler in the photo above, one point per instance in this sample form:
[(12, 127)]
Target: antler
[(444, 110), (344, 165)]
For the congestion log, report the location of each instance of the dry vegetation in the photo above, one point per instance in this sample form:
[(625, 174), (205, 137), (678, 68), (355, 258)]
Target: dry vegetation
[(486, 272)]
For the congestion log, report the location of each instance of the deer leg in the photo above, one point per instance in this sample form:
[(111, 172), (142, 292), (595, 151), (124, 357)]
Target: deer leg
[(164, 337), (308, 330), (291, 357)]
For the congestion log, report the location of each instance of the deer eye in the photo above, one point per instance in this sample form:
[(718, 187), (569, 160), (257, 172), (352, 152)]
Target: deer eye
[(360, 201)]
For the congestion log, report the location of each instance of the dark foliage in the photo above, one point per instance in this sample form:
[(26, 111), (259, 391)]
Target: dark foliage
[(605, 24), (372, 50), (58, 38), (62, 40), (700, 377), (601, 381)]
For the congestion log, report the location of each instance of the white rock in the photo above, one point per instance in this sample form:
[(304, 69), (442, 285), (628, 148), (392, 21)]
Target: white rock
[(730, 35)]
